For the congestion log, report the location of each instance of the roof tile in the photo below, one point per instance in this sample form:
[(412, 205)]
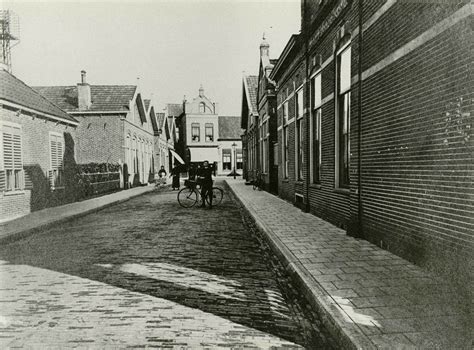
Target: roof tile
[(105, 98), (14, 90)]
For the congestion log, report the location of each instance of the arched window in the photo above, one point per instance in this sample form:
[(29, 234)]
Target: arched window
[(202, 107)]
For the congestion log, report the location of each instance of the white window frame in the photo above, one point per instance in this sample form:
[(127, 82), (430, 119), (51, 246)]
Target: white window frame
[(21, 179), (316, 113), (337, 170), (298, 132)]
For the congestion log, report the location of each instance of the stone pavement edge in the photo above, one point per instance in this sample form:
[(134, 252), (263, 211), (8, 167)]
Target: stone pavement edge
[(41, 219), (367, 297)]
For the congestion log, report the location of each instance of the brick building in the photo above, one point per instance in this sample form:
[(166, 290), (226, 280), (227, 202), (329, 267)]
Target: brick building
[(374, 122), (114, 126), (249, 115), (200, 126), (36, 152), (259, 122)]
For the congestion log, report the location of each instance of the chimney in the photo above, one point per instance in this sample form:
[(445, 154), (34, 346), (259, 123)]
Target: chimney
[(264, 47), (83, 93)]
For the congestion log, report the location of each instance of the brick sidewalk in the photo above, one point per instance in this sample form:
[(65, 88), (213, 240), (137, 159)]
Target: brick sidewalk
[(15, 229), (368, 297)]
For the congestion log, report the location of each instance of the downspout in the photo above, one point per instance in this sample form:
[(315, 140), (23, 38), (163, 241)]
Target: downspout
[(359, 131), (308, 108)]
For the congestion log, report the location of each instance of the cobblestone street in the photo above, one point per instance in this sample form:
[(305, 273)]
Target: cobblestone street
[(148, 273)]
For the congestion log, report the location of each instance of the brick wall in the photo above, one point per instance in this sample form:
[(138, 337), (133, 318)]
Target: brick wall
[(99, 139), (417, 168), (416, 146), (36, 163)]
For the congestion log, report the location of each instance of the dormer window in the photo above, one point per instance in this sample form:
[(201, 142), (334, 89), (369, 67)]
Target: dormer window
[(202, 107)]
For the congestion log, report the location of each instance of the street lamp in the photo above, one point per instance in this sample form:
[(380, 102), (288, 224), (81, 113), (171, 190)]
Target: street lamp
[(235, 158)]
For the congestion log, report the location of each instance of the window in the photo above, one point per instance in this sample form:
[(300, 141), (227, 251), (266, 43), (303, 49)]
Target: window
[(202, 107), (299, 139), (209, 132), (12, 163), (316, 103), (226, 159), (343, 85), (285, 152), (239, 160), (195, 132), (299, 149), (285, 113), (299, 103), (56, 149)]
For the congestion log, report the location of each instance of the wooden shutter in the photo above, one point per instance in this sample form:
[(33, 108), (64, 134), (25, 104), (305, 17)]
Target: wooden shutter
[(12, 153), (7, 150)]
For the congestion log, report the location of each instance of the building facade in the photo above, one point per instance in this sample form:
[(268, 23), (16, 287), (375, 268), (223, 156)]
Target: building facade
[(374, 123), (259, 121), (114, 126), (36, 152), (200, 128), (249, 117)]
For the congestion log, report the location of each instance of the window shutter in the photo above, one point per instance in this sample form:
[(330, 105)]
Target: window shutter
[(2, 180), (54, 157), (51, 178), (8, 150), (59, 146), (17, 161)]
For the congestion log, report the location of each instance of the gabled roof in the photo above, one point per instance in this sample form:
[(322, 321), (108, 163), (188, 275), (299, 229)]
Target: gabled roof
[(229, 128), (160, 117), (15, 91), (152, 116), (105, 98), (174, 109), (141, 108), (290, 48), (251, 86), (147, 103)]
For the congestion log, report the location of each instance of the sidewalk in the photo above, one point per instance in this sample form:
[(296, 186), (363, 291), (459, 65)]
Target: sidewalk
[(367, 297), (25, 225)]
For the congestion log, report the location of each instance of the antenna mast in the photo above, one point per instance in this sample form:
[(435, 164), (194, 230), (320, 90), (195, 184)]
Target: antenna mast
[(9, 36)]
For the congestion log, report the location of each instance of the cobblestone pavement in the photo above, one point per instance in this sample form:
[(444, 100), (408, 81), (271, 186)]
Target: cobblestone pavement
[(373, 295), (148, 273)]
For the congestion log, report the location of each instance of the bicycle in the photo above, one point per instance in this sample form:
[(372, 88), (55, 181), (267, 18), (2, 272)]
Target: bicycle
[(258, 183), (190, 195)]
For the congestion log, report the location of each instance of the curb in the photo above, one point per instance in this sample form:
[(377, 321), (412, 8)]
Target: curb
[(346, 336), (15, 236)]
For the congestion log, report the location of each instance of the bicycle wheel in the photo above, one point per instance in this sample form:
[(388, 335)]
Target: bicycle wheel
[(217, 195), (187, 197)]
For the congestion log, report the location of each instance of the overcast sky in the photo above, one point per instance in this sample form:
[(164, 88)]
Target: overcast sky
[(172, 46)]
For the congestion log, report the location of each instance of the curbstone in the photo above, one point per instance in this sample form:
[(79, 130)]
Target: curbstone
[(23, 233), (346, 336)]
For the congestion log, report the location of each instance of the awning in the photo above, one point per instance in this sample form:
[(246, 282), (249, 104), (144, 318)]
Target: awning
[(177, 157), (201, 154)]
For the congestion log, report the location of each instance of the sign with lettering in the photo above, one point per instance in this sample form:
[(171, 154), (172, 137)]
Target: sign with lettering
[(328, 21)]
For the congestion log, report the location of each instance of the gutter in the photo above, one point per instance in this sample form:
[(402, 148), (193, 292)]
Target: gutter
[(38, 113), (308, 111)]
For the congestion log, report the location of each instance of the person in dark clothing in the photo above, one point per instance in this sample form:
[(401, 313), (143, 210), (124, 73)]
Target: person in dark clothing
[(162, 176), (205, 176), (175, 173)]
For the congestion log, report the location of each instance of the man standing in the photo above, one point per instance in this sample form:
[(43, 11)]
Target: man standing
[(205, 176)]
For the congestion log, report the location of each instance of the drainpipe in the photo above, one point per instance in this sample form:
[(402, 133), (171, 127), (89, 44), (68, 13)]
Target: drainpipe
[(308, 107), (359, 131)]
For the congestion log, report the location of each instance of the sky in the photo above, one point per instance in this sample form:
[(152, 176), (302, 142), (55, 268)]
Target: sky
[(168, 48)]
